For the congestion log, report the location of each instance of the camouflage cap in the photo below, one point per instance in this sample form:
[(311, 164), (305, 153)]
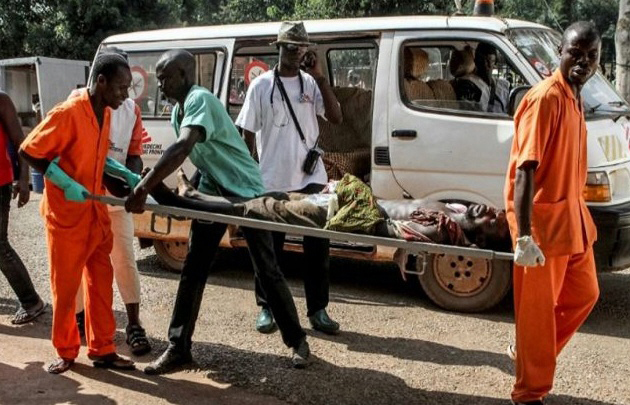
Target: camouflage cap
[(292, 33)]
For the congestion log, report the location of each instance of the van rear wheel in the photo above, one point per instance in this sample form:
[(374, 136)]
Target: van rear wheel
[(465, 284), (171, 253)]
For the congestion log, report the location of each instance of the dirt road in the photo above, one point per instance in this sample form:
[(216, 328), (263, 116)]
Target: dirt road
[(395, 348)]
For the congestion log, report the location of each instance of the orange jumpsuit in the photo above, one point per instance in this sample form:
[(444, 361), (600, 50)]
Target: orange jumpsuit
[(78, 234), (552, 301)]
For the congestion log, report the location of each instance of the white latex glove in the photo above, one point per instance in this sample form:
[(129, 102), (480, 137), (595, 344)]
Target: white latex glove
[(528, 253)]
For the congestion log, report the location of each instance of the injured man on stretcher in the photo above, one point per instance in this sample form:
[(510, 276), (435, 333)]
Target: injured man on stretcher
[(348, 205)]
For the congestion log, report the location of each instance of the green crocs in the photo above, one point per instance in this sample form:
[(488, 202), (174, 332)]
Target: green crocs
[(321, 321), (265, 322)]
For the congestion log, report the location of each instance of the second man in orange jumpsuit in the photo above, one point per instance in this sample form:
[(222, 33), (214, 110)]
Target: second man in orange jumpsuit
[(555, 285)]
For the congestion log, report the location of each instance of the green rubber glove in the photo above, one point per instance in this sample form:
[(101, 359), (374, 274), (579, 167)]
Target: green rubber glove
[(72, 190), (116, 169)]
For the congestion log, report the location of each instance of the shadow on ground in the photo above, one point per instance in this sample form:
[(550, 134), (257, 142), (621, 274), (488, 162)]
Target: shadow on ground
[(51, 390), (322, 383), (419, 350), (379, 284)]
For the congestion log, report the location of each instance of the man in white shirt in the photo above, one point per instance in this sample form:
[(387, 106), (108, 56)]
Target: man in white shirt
[(282, 147)]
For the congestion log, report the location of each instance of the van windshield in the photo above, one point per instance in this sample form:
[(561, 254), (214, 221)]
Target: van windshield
[(540, 48)]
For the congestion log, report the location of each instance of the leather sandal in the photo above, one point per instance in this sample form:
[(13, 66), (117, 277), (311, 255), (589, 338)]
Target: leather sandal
[(112, 361), (59, 365), (137, 340), (23, 315)]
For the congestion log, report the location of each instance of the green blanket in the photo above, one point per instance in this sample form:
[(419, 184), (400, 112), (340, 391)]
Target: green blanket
[(357, 209)]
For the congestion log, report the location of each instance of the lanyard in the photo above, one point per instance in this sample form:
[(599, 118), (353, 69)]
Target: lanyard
[(285, 99), (276, 81)]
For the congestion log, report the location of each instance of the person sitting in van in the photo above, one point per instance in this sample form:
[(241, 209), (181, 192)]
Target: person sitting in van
[(485, 62), (279, 121), (468, 86), (354, 79)]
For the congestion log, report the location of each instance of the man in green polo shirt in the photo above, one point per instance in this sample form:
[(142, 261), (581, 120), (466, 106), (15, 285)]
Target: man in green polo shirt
[(206, 134)]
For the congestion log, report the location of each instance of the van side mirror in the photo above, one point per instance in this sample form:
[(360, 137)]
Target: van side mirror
[(516, 95)]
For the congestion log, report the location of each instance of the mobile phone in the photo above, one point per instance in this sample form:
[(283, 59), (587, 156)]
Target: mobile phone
[(308, 60)]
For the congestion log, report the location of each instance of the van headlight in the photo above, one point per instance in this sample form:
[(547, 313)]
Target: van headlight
[(598, 187)]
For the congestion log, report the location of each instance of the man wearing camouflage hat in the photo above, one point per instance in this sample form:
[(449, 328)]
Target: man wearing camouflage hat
[(279, 120)]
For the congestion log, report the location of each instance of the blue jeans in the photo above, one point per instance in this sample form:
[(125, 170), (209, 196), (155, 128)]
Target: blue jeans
[(10, 263)]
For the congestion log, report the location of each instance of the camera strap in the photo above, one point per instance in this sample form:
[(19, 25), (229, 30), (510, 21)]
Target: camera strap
[(285, 97)]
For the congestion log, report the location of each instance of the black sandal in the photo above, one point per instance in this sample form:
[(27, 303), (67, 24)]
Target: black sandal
[(23, 316), (137, 340), (112, 361)]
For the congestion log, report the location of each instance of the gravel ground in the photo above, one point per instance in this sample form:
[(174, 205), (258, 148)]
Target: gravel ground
[(396, 347)]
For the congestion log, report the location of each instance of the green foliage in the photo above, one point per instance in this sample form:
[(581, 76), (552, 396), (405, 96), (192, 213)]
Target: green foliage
[(74, 28), (15, 16)]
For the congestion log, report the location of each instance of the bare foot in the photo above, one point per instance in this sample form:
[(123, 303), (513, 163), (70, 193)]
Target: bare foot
[(60, 365), (184, 188)]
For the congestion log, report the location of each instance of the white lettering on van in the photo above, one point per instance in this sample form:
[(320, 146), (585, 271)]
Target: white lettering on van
[(152, 149)]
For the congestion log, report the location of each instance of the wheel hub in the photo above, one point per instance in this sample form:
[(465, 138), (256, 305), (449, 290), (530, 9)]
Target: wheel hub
[(462, 276), (176, 249)]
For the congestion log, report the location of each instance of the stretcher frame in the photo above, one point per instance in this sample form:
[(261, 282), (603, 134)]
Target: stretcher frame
[(419, 248)]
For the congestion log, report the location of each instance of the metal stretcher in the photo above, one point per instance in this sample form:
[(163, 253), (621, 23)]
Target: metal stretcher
[(419, 248)]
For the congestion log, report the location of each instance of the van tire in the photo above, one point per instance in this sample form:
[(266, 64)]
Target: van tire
[(465, 284), (171, 253)]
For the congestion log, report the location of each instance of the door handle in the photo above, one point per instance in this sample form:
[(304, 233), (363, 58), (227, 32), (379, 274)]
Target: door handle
[(404, 133)]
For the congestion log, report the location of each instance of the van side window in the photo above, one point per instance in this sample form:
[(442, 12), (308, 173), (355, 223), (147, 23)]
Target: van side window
[(245, 68), (144, 87), (352, 67), (472, 77), (144, 90), (206, 65), (348, 145)]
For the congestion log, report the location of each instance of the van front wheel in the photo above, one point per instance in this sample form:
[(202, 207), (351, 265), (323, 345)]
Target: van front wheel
[(171, 253), (465, 284)]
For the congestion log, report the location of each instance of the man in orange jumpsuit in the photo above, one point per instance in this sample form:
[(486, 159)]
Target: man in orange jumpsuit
[(70, 146), (555, 285)]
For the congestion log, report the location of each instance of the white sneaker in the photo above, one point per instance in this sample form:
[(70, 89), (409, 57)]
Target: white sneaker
[(511, 351)]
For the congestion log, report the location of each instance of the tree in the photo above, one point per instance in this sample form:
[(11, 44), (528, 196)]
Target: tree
[(622, 43), (15, 17), (74, 28), (565, 9)]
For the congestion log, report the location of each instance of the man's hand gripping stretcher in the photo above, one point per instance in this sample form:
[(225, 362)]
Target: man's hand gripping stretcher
[(74, 191)]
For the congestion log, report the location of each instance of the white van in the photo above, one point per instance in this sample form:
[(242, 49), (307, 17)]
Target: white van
[(406, 130)]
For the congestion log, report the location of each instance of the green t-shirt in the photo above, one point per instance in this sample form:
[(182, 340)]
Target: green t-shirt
[(223, 159)]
